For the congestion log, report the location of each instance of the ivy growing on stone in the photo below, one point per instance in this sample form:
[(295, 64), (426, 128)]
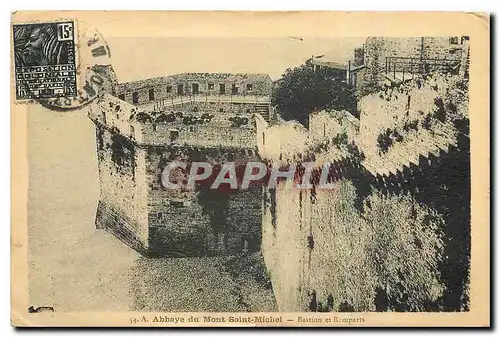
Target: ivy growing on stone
[(123, 150), (238, 121)]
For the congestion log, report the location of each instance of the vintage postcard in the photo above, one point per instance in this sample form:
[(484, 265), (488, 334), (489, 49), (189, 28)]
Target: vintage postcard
[(250, 169)]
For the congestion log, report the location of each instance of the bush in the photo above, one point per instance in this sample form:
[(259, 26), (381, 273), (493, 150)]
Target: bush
[(451, 107), (427, 122), (411, 125), (165, 118), (190, 120), (143, 117), (440, 111), (302, 90), (238, 121), (353, 149), (384, 141), (397, 135), (340, 139)]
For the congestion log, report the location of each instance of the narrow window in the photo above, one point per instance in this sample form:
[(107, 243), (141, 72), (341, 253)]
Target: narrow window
[(196, 88), (234, 89), (132, 131), (177, 203), (152, 94), (249, 86), (174, 134), (121, 96), (169, 89), (222, 88), (210, 86), (180, 89), (263, 138), (135, 97)]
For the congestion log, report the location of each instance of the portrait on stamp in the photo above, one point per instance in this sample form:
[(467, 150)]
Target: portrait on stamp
[(45, 60)]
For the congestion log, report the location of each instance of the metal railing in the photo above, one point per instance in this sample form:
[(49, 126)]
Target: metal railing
[(205, 98), (410, 66)]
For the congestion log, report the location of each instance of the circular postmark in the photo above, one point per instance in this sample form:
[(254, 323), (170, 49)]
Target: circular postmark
[(64, 66)]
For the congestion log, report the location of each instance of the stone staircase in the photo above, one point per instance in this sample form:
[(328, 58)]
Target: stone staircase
[(263, 109)]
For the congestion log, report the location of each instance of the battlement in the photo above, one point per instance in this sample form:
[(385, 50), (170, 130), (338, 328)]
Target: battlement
[(195, 127), (197, 109), (403, 126), (135, 144), (330, 138)]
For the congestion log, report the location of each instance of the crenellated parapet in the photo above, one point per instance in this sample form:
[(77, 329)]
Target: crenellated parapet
[(191, 127), (401, 127)]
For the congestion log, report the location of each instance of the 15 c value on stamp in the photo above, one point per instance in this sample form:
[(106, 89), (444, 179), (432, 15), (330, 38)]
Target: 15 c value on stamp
[(45, 60)]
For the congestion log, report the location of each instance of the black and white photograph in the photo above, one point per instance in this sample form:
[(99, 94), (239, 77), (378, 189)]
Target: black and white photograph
[(281, 180)]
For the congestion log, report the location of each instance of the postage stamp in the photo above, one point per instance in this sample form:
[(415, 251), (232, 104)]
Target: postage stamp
[(62, 65), (45, 60)]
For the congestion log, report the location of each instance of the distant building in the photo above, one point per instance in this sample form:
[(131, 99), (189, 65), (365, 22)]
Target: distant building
[(399, 59), (242, 90)]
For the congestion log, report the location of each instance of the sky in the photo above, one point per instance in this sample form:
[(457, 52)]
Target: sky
[(146, 57)]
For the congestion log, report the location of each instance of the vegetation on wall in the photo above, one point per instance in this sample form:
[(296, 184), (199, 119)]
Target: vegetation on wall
[(303, 90), (193, 120), (411, 125), (340, 139), (165, 118), (384, 141), (427, 122), (355, 152), (439, 112), (387, 138), (407, 246), (385, 258), (122, 148), (238, 121), (143, 117)]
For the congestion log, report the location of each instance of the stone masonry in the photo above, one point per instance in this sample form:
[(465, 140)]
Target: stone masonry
[(139, 131)]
